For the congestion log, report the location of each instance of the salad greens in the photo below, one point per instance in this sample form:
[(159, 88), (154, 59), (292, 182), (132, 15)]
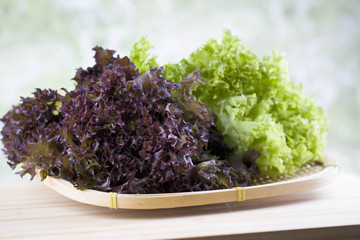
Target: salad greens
[(215, 120), (255, 103), (123, 132)]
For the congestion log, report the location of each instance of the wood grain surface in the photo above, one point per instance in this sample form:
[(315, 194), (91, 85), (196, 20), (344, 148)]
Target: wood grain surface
[(30, 210)]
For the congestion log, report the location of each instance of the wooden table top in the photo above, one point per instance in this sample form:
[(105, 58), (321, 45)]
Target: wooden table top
[(30, 210)]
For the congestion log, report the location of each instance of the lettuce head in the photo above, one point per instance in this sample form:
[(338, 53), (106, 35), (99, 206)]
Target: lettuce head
[(256, 104)]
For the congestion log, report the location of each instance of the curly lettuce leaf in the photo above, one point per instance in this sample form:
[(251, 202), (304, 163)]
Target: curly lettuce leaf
[(140, 56), (30, 132), (121, 131), (256, 104)]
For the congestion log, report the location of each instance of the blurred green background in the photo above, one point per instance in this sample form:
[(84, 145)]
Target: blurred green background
[(43, 42)]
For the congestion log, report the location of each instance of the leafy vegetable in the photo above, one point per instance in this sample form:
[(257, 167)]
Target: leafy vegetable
[(29, 133), (121, 131), (129, 129), (256, 105), (140, 56)]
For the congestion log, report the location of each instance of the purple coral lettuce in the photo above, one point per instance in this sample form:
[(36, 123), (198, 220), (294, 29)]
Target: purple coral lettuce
[(121, 131)]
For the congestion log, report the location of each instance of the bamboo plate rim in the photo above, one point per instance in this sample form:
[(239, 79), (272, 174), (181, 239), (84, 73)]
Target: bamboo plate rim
[(185, 199)]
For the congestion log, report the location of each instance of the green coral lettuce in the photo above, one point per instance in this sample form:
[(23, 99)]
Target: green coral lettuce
[(257, 105), (140, 56)]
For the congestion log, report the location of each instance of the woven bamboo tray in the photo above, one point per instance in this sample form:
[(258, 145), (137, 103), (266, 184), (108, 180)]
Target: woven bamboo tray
[(310, 177)]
